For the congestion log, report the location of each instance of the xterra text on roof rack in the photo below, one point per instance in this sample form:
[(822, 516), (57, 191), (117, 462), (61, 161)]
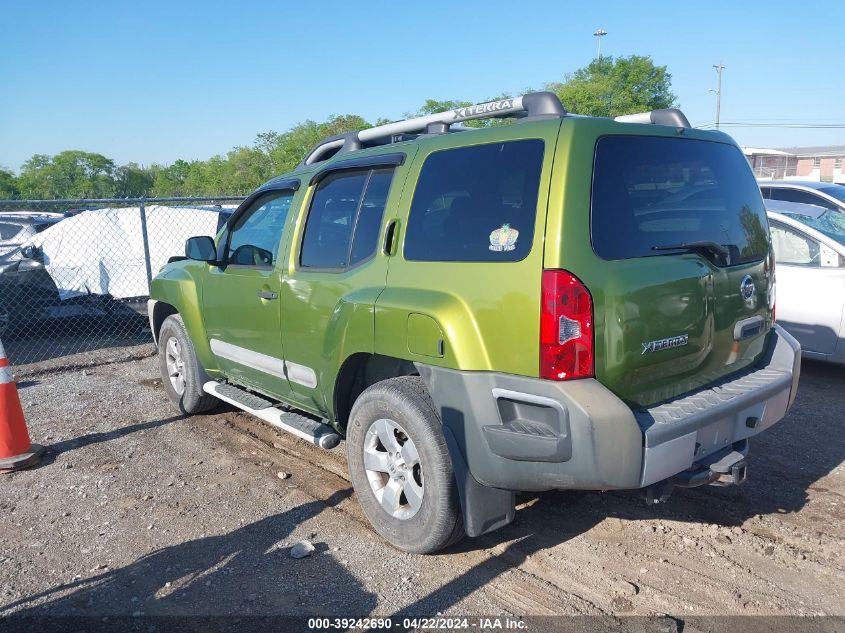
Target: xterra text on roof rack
[(565, 302)]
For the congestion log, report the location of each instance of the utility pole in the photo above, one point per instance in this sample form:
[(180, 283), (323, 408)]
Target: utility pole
[(600, 33), (719, 68)]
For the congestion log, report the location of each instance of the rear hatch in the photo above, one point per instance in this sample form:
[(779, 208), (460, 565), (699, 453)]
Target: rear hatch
[(681, 279)]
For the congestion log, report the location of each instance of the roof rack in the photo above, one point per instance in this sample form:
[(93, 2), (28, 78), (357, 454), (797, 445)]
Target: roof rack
[(665, 116), (531, 105), (534, 105)]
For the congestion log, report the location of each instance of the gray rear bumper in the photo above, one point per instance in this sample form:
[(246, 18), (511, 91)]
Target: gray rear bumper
[(527, 434)]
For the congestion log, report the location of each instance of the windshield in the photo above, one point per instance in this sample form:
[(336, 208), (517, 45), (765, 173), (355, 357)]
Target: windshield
[(655, 196), (835, 191), (830, 223)]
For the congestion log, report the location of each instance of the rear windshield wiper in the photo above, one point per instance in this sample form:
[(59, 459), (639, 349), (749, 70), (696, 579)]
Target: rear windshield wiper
[(703, 246)]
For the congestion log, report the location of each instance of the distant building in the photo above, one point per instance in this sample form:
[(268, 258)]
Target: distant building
[(771, 163), (822, 163)]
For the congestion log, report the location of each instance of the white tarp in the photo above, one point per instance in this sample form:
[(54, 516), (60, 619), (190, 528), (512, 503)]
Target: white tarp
[(102, 251)]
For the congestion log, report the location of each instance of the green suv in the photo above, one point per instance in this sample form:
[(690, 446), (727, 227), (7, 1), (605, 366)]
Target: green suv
[(566, 302)]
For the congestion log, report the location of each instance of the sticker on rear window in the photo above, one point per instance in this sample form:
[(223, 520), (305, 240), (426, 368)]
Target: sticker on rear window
[(503, 239)]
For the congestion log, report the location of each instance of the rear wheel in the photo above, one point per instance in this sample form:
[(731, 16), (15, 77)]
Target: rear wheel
[(181, 373), (400, 467)]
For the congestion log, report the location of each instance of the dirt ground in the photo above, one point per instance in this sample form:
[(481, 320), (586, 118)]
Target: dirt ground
[(136, 511)]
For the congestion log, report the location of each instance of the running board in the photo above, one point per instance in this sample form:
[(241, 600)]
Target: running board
[(303, 427)]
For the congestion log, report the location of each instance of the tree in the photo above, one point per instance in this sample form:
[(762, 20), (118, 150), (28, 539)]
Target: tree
[(170, 180), (70, 174), (133, 181), (432, 106), (286, 150), (8, 185), (612, 87)]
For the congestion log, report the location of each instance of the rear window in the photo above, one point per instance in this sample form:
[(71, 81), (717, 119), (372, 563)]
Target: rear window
[(650, 193), (476, 204)]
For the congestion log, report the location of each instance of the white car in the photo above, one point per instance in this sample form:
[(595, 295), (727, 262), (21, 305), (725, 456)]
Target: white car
[(823, 194), (809, 243)]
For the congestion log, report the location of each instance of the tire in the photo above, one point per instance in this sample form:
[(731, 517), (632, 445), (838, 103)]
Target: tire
[(190, 398), (401, 411)]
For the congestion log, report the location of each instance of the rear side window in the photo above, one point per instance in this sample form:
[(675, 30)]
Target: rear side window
[(8, 231), (476, 204), (650, 193), (345, 218), (802, 197)]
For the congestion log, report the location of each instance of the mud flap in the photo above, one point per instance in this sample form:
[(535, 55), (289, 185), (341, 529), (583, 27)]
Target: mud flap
[(485, 509)]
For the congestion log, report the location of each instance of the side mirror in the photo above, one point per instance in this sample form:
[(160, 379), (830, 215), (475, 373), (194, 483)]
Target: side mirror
[(829, 257), (201, 249), (31, 252)]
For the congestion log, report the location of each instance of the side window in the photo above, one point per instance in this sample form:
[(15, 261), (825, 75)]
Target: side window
[(476, 204), (367, 227), (8, 231), (254, 239), (793, 248), (344, 219), (803, 197)]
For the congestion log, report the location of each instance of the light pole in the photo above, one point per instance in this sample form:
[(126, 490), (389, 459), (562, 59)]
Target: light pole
[(719, 68), (600, 33)]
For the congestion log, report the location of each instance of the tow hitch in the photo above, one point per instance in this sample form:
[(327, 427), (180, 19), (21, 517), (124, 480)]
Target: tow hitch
[(725, 468)]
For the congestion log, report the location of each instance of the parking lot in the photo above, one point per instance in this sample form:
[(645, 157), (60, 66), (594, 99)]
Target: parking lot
[(137, 511)]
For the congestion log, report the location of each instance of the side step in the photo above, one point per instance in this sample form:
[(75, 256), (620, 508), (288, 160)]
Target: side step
[(303, 427)]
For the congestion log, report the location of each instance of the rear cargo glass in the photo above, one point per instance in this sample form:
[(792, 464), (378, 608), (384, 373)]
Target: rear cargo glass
[(476, 204), (656, 192)]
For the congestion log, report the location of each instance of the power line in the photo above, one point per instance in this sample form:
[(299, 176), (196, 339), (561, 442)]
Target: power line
[(797, 126)]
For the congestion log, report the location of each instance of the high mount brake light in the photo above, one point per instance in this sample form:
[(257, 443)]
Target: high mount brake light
[(566, 327)]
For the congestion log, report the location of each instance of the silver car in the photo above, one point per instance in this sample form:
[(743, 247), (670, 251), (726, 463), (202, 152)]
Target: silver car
[(16, 227), (809, 243)]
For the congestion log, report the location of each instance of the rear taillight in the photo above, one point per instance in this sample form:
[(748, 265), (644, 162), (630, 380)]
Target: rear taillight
[(566, 327)]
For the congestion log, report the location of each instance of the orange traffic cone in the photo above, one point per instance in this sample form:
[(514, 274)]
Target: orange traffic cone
[(16, 451)]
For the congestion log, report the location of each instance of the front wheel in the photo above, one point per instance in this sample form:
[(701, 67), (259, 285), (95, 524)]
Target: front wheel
[(400, 467), (181, 373)]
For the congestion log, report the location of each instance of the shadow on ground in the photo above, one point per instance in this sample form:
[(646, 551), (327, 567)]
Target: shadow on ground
[(41, 341), (244, 572), (786, 462)]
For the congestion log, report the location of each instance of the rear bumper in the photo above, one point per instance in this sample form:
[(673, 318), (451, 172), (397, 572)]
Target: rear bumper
[(526, 434)]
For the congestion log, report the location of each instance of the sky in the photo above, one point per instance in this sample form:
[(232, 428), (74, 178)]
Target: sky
[(155, 81)]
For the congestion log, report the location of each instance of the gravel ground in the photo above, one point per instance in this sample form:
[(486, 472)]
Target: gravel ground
[(137, 511)]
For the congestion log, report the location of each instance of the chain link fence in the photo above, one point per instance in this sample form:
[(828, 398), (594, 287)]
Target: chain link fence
[(75, 274), (776, 167)]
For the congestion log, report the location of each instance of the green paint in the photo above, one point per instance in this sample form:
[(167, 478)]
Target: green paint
[(486, 313)]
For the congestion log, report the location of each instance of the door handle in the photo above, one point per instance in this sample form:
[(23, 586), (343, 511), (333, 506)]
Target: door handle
[(266, 294), (388, 248)]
